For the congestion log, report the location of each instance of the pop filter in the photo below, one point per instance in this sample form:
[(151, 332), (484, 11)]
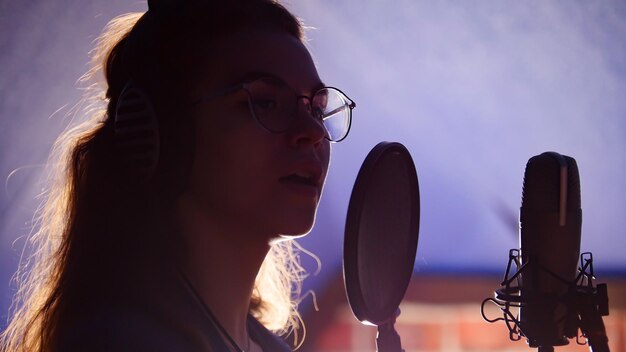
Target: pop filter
[(382, 228)]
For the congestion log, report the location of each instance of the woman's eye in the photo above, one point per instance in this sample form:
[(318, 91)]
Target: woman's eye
[(317, 113), (264, 105)]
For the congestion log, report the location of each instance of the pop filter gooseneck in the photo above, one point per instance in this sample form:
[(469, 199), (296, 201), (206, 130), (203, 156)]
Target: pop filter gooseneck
[(382, 228)]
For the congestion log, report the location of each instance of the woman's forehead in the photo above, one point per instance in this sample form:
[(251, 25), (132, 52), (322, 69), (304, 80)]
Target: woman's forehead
[(238, 56)]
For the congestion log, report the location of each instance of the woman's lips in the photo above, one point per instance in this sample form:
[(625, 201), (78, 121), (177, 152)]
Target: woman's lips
[(301, 185), (301, 179), (305, 178)]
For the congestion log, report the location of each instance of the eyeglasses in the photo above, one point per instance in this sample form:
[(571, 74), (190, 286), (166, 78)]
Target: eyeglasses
[(274, 105)]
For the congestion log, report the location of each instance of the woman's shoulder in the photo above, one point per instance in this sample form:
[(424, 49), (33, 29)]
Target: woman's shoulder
[(265, 338), (122, 330), (154, 325)]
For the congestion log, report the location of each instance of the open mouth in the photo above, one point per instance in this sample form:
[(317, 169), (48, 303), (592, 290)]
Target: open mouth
[(300, 178)]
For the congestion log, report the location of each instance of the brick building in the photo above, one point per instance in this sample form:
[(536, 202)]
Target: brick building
[(440, 314)]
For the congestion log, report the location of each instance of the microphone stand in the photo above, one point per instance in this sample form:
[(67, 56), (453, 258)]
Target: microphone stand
[(591, 323), (387, 339), (586, 303), (592, 303)]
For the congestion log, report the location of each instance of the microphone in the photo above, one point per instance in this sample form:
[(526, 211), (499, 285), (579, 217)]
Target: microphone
[(554, 295), (550, 226)]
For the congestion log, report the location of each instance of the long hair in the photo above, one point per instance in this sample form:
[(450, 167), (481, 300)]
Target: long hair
[(87, 212)]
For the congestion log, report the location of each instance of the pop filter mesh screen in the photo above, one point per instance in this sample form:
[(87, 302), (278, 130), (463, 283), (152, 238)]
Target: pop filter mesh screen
[(386, 245)]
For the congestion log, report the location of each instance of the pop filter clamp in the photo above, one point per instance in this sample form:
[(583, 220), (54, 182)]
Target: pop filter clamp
[(381, 236), (586, 303)]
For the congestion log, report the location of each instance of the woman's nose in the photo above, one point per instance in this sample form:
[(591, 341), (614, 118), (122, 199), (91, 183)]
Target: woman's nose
[(306, 128)]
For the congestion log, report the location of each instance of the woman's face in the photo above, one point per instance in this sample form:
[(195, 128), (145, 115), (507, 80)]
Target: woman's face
[(245, 178)]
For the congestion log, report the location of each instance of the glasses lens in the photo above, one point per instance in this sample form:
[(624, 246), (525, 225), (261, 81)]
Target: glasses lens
[(334, 108), (272, 103)]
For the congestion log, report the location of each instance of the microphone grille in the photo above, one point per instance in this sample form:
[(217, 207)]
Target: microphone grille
[(542, 183)]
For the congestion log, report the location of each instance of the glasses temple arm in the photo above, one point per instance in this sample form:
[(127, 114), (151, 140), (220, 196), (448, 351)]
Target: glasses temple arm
[(330, 113)]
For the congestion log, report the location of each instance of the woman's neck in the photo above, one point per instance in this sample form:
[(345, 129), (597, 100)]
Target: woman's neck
[(222, 265)]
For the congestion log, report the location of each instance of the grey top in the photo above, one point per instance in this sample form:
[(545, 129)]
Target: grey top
[(167, 321)]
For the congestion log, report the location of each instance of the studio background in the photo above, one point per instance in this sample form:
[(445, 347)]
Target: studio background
[(473, 89)]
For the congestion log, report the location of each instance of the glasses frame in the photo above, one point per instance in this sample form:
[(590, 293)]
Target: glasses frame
[(243, 86)]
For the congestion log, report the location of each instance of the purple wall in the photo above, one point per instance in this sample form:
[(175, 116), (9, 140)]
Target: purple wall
[(472, 89)]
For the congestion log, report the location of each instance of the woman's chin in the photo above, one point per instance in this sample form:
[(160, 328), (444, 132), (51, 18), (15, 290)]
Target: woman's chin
[(284, 237), (295, 231)]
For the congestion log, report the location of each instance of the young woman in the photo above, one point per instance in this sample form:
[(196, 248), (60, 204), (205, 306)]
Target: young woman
[(170, 224)]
